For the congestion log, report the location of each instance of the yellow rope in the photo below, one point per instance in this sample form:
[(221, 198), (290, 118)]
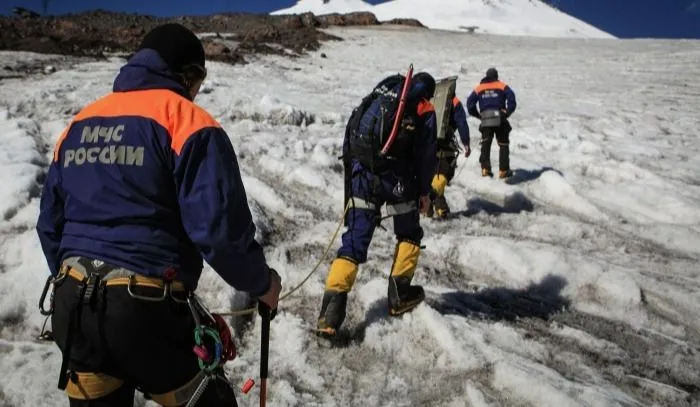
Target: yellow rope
[(464, 164), (249, 311)]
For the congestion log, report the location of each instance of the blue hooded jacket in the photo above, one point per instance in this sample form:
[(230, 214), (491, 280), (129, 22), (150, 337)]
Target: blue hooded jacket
[(491, 94), (458, 120), (146, 180)]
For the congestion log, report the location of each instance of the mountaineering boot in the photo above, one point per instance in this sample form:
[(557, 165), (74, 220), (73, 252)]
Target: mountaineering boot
[(486, 172), (505, 174), (335, 297), (332, 313), (441, 207), (402, 295)]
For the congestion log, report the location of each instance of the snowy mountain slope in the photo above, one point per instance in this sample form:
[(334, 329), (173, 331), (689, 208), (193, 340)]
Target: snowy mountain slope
[(320, 7), (505, 17), (602, 216), (513, 17)]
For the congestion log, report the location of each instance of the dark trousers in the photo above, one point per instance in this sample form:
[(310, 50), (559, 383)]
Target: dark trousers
[(147, 345), (502, 134), (368, 193)]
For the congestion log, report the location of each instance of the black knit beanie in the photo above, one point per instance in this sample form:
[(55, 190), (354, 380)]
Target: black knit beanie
[(177, 45), (492, 73), (428, 82)]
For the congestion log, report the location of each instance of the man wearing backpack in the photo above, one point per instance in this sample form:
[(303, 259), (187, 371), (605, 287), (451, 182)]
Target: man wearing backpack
[(401, 180), (496, 102), (447, 152)]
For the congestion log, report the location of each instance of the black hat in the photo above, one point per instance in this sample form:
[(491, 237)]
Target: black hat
[(178, 46), (492, 73), (428, 81)]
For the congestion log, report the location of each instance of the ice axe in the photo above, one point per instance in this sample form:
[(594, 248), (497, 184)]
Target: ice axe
[(266, 315), (264, 350)]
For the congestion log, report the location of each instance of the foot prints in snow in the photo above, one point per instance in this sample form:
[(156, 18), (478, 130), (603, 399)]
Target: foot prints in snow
[(574, 283)]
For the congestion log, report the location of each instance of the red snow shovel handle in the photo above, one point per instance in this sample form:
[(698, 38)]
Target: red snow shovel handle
[(399, 113)]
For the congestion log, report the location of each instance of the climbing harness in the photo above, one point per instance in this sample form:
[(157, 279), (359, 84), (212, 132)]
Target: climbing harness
[(213, 343)]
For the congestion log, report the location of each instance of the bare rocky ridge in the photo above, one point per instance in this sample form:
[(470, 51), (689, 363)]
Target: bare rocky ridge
[(235, 35)]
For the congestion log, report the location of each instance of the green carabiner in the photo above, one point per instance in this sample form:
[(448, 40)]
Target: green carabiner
[(199, 333)]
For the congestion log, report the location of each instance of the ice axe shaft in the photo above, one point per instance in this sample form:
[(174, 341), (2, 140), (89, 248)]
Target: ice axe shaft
[(264, 352), (399, 113)]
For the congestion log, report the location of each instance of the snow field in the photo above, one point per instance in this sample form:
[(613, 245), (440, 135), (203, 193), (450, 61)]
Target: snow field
[(575, 283)]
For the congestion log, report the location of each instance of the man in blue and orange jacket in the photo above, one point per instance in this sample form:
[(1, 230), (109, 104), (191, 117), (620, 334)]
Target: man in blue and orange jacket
[(447, 152), (496, 102), (144, 186), (401, 181)]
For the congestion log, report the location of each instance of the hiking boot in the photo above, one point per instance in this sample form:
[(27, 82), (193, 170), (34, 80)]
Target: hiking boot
[(403, 296), (486, 172), (442, 209), (505, 174), (332, 313)]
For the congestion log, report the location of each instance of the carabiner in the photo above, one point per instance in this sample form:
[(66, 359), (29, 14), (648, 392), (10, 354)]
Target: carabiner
[(193, 310), (203, 309), (42, 299)]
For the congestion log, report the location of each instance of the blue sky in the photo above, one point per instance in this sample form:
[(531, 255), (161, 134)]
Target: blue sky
[(623, 18)]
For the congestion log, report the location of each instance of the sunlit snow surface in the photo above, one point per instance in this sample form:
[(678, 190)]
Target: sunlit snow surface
[(602, 217), (503, 17)]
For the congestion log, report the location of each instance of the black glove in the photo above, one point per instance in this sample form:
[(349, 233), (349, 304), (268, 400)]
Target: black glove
[(264, 310)]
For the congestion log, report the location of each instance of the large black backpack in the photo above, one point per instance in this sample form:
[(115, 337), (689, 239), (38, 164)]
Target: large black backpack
[(371, 122), (370, 125)]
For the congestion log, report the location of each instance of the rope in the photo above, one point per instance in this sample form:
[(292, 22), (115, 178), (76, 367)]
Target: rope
[(464, 164), (250, 311)]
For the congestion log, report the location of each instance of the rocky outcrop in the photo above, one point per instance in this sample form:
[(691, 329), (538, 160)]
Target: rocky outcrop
[(100, 32), (357, 18), (411, 22)]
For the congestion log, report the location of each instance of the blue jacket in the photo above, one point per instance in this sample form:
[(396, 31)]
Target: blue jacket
[(145, 179), (458, 120), (422, 158), (491, 94)]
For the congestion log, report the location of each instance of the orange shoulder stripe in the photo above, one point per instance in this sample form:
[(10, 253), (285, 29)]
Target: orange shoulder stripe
[(498, 85), (424, 106), (62, 137), (179, 116)]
